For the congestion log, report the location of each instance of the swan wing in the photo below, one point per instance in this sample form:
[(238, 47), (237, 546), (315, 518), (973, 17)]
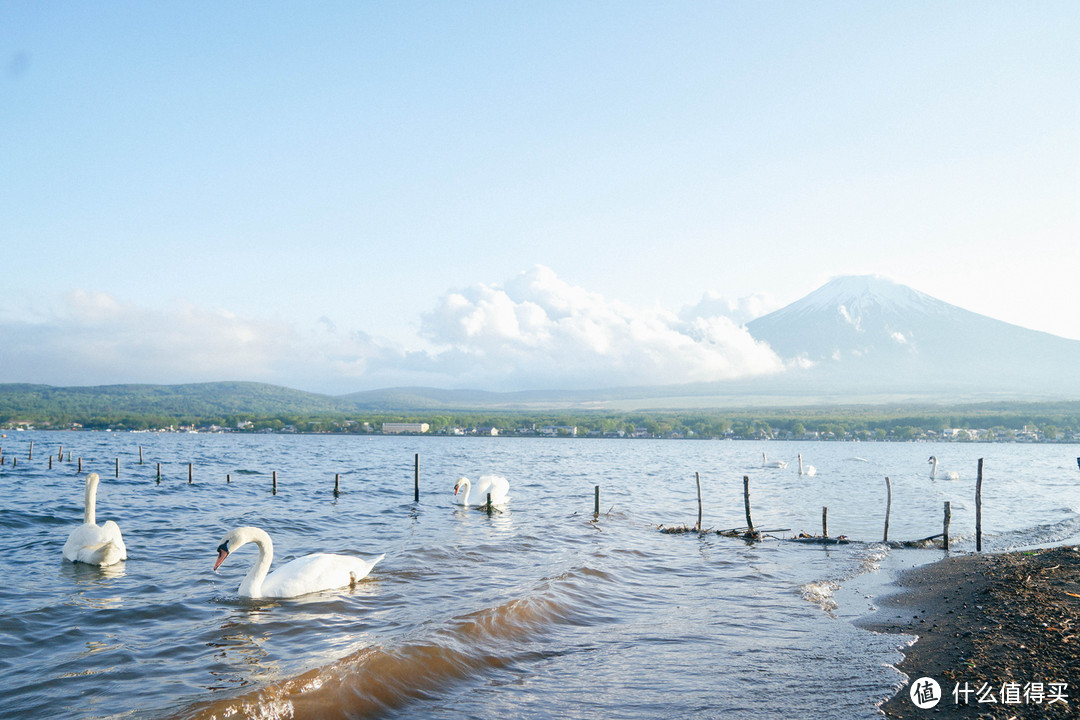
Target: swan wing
[(95, 545), (315, 573), (497, 485)]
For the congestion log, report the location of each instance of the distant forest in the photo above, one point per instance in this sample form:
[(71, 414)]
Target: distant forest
[(254, 407)]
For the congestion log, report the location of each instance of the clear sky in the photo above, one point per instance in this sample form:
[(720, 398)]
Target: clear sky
[(339, 196)]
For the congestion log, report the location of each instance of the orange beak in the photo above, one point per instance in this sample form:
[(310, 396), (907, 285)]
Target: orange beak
[(222, 553)]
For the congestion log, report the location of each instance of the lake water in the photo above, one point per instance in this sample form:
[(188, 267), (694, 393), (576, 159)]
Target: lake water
[(532, 612)]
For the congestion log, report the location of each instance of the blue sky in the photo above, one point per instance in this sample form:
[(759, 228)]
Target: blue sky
[(341, 196)]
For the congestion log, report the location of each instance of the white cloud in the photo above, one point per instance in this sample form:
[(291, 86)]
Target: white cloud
[(534, 331), (740, 310), (539, 331)]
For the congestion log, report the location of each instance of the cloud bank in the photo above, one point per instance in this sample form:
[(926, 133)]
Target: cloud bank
[(534, 331)]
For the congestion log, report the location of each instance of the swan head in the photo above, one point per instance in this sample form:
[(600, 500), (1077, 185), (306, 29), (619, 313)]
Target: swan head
[(234, 539), (462, 481), (93, 478)]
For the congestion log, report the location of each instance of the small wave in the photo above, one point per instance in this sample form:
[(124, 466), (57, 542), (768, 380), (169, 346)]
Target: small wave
[(382, 677), (821, 594)]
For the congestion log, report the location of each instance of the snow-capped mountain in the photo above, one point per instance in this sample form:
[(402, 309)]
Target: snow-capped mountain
[(868, 334)]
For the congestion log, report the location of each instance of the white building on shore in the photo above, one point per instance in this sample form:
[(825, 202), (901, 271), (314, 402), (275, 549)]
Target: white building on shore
[(404, 427)]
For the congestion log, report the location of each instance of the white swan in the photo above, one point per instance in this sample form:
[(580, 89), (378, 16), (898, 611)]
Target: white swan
[(307, 574), (90, 543), (810, 469), (774, 464), (951, 475), (496, 485)]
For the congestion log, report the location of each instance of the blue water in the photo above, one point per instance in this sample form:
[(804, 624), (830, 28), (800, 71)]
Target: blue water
[(534, 611)]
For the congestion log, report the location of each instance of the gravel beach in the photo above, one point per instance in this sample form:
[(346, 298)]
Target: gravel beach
[(1000, 634)]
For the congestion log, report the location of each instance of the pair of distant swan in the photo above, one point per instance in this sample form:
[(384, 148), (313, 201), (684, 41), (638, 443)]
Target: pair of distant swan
[(808, 470)]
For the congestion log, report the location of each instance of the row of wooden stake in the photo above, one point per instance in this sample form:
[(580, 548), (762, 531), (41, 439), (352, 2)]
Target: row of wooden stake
[(750, 531)]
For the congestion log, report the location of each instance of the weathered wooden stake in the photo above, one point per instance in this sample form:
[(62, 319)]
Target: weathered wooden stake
[(275, 482), (228, 478), (698, 526), (489, 508), (159, 472), (117, 467), (337, 484), (824, 522), (50, 462), (30, 456), (596, 501), (60, 455), (14, 460), (69, 456), (140, 455), (945, 525), (746, 503), (978, 509), (888, 507), (190, 473), (416, 478), (80, 465)]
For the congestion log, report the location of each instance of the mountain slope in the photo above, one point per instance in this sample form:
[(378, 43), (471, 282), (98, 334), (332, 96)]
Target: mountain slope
[(863, 334)]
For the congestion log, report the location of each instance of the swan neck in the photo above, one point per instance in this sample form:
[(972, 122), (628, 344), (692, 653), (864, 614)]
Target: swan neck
[(465, 486), (253, 581), (90, 502)]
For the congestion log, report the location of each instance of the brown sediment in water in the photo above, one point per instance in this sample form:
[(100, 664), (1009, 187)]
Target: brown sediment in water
[(379, 679), (1008, 621)]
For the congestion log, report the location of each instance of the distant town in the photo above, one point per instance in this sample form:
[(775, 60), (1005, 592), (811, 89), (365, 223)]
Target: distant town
[(658, 427)]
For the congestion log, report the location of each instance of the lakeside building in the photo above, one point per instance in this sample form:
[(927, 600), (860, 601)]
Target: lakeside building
[(404, 427)]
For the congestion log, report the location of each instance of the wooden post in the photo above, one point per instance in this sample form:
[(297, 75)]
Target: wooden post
[(60, 455), (31, 455), (489, 504), (945, 525), (140, 455), (337, 484), (596, 501), (824, 522), (190, 473), (698, 526), (14, 460), (275, 482), (117, 467), (228, 478), (746, 504), (159, 472), (978, 509), (50, 462), (69, 456), (416, 478), (888, 507), (80, 466)]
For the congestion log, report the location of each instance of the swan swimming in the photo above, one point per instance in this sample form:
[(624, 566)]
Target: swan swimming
[(951, 475), (774, 464), (810, 469), (307, 574), (92, 543), (496, 485)]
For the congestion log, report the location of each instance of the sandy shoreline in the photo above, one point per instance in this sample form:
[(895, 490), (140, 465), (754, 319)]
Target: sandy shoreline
[(1006, 627)]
